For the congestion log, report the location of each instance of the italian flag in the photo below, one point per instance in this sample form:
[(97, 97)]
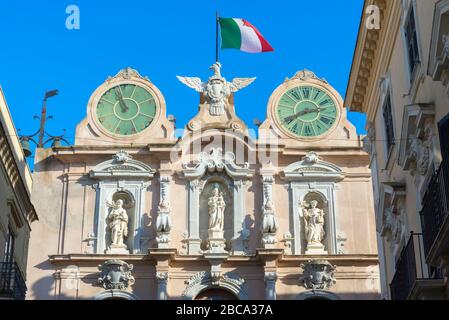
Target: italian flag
[(240, 34)]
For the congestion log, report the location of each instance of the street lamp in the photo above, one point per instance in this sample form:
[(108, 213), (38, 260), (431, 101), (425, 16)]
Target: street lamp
[(25, 140)]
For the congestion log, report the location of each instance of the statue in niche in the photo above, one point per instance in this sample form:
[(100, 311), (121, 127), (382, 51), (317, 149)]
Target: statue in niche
[(313, 222), (217, 208), (118, 223)]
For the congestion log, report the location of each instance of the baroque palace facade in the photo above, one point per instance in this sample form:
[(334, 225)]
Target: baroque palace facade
[(132, 212), (399, 79), (17, 213)]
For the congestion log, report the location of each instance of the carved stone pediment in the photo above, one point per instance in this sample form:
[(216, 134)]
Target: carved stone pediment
[(128, 73), (216, 161), (204, 280), (305, 75), (122, 165), (311, 167), (416, 138)]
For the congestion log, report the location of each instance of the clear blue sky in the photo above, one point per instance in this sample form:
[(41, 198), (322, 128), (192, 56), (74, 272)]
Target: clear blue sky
[(162, 39)]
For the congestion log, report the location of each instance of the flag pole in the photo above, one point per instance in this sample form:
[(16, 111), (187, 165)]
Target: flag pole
[(216, 37)]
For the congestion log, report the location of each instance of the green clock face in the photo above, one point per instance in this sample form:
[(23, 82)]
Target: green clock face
[(306, 111), (126, 109)]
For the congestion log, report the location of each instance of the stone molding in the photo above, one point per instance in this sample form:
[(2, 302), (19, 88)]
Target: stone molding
[(204, 280)]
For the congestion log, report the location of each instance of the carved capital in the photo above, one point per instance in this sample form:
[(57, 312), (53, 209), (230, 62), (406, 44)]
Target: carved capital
[(270, 276), (162, 276)]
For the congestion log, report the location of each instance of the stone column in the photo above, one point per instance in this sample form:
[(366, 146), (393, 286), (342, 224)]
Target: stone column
[(163, 259), (270, 285), (162, 280), (194, 241), (270, 258), (240, 236), (68, 278)]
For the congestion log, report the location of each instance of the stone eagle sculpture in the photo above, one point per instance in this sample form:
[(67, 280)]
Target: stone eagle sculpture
[(216, 89)]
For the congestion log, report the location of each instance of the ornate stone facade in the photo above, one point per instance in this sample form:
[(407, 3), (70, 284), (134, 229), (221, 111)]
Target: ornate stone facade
[(399, 79), (17, 213), (216, 199)]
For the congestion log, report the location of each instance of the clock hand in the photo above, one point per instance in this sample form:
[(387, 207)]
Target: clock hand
[(301, 113), (122, 103)]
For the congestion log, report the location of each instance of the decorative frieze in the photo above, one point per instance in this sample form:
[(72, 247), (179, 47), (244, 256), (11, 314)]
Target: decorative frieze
[(365, 60)]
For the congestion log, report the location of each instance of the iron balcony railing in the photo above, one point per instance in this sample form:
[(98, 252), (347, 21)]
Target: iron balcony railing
[(12, 284), (435, 205), (411, 268)]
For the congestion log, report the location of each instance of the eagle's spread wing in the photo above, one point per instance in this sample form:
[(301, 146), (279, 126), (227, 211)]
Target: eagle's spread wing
[(240, 83), (194, 83)]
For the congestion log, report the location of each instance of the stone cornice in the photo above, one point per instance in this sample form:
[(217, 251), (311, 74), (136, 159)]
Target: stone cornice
[(277, 254), (13, 173), (372, 54)]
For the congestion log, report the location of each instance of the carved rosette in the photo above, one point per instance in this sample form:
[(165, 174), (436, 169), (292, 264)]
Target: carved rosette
[(318, 275), (116, 275)]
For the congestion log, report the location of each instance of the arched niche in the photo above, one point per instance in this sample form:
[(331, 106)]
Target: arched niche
[(225, 186), (121, 176), (312, 175), (129, 204), (216, 294), (222, 167), (317, 295), (322, 203), (202, 282), (115, 295)]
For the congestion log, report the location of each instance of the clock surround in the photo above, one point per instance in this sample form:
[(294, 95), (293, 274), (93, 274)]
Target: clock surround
[(126, 77), (302, 80)]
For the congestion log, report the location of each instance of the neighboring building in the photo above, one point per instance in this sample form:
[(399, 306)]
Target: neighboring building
[(399, 79), (16, 211), (213, 214)]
